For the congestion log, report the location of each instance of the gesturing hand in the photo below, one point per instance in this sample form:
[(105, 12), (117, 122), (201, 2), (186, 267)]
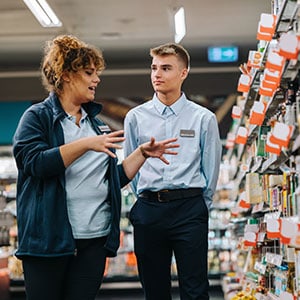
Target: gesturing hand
[(158, 149), (104, 142)]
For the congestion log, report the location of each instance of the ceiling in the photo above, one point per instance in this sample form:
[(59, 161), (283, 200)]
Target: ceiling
[(125, 30)]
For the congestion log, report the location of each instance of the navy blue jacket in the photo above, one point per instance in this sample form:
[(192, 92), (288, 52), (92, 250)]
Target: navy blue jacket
[(43, 225)]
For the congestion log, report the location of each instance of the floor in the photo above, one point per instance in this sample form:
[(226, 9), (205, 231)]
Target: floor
[(215, 294), (130, 294)]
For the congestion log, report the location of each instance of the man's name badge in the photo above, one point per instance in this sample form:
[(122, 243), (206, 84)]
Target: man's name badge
[(187, 133)]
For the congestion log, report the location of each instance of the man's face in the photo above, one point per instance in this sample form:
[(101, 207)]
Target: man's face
[(167, 74)]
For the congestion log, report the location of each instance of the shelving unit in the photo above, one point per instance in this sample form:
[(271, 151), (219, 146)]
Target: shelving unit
[(8, 175), (265, 186)]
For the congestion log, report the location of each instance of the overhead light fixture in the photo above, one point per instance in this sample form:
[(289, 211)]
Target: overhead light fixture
[(43, 12), (179, 20)]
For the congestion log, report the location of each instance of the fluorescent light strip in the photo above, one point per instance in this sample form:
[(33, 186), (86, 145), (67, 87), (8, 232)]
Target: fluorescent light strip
[(43, 12), (179, 25)]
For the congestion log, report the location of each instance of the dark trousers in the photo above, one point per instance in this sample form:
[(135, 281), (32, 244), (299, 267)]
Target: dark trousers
[(66, 278), (161, 229)]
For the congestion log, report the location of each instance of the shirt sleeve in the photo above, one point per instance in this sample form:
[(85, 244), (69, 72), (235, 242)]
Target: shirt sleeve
[(211, 158), (131, 143)]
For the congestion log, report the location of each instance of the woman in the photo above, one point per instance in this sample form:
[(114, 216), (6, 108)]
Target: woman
[(68, 188)]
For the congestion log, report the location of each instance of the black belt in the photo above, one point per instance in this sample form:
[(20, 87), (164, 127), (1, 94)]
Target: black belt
[(170, 195)]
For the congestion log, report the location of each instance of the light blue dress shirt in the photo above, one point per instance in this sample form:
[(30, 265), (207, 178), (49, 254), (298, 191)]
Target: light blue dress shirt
[(86, 184), (198, 160)]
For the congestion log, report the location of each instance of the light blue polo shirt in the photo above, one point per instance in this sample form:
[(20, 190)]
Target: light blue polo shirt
[(86, 185)]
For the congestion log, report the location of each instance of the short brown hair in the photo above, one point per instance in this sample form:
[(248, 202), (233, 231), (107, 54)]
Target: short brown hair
[(172, 49), (67, 53)]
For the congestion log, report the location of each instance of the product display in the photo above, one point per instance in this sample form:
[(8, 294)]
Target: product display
[(8, 234), (263, 150)]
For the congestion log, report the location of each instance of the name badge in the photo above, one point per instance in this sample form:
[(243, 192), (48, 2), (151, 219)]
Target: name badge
[(104, 129), (187, 133)]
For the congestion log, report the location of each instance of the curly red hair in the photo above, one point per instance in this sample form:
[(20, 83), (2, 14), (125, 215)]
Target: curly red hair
[(67, 53)]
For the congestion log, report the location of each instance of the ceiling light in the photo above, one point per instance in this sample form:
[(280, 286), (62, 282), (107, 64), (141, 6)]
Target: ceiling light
[(179, 25), (43, 12)]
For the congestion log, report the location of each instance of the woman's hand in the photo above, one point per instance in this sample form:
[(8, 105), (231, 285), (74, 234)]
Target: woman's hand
[(104, 142), (133, 162), (99, 143), (158, 149)]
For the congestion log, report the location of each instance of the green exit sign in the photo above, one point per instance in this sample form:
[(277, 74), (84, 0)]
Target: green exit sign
[(223, 54)]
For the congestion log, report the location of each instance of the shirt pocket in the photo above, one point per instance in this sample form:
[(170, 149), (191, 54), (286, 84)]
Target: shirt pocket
[(189, 145)]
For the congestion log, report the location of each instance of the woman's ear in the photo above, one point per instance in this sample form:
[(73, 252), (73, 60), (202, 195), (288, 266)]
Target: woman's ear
[(66, 77)]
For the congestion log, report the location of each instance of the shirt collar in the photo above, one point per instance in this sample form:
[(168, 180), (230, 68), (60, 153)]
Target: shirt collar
[(83, 115), (176, 107)]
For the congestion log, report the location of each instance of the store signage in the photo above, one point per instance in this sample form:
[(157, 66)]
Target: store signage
[(223, 54)]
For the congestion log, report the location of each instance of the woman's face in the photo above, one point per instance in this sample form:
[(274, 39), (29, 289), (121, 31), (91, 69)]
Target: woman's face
[(81, 86)]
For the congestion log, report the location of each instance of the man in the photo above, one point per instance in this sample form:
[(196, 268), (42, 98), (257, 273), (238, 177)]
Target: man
[(171, 212)]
